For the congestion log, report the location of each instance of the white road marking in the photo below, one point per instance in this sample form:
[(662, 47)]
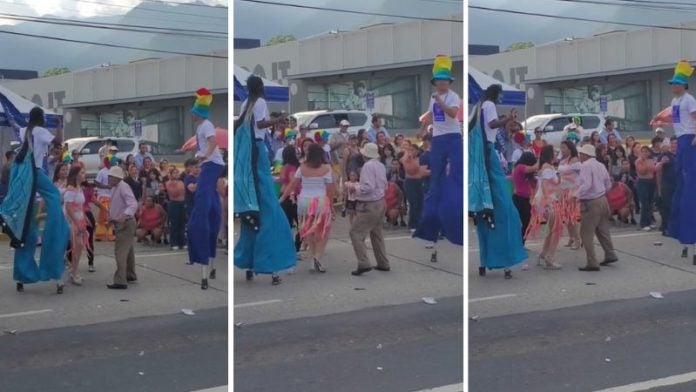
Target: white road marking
[(447, 388), (472, 300), (8, 315), (5, 267), (249, 304), (161, 254), (651, 384), (216, 389)]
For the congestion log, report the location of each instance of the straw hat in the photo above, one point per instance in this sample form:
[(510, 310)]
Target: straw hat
[(370, 150), (588, 150)]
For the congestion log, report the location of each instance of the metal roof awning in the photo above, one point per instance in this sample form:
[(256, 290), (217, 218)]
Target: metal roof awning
[(374, 68), (78, 105)]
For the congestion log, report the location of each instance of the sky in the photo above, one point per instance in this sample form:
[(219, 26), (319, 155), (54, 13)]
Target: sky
[(41, 54), (302, 23), (495, 28)]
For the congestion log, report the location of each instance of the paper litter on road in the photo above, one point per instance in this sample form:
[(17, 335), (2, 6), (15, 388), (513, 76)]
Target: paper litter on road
[(379, 346), (474, 318), (187, 312), (141, 373), (142, 353), (656, 295), (380, 368), (608, 339), (239, 325), (607, 360), (525, 267), (429, 300), (10, 332)]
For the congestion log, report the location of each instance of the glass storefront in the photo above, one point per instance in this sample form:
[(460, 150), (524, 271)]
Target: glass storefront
[(395, 98), (163, 126), (627, 102)]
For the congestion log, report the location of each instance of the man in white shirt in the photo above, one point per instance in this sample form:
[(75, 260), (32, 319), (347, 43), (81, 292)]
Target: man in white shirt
[(377, 127), (442, 209), (205, 219), (683, 216), (609, 129)]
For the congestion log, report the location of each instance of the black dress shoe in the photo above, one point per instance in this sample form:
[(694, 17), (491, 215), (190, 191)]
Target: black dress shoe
[(204, 284), (361, 271), (59, 288), (588, 269), (249, 275), (385, 269), (213, 275), (20, 287), (482, 271), (607, 262), (117, 286)]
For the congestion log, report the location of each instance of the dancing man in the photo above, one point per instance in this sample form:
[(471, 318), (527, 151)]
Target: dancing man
[(442, 210), (683, 216), (205, 219), (18, 210), (497, 221)]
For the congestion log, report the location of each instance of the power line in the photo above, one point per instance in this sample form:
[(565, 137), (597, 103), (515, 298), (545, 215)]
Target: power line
[(111, 45), (150, 9), (150, 18), (351, 11), (611, 22), (632, 5), (188, 4), (116, 26)]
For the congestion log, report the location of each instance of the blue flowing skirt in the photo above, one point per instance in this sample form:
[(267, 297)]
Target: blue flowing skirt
[(271, 248), (500, 244), (682, 222)]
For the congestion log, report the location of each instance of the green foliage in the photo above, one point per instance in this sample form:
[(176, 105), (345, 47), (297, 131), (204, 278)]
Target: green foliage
[(519, 45), (280, 39), (56, 71)]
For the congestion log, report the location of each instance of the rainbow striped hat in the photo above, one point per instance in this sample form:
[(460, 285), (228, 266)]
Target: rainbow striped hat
[(681, 73), (201, 107), (67, 157), (442, 68), (321, 135), (289, 134)]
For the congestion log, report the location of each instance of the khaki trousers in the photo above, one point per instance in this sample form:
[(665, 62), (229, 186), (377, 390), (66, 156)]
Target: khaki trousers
[(368, 219), (595, 221), (125, 255)]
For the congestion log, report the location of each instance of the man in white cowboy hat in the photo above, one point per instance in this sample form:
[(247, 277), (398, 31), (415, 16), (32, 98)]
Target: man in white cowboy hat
[(594, 182), (370, 211), (122, 216)]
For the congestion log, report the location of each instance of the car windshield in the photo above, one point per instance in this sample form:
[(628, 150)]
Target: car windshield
[(533, 122), (73, 144), (303, 118)]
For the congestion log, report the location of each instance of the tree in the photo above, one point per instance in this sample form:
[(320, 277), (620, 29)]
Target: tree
[(519, 45), (280, 39), (56, 71)]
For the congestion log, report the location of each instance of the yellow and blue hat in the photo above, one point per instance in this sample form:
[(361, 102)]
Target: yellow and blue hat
[(442, 68), (681, 73), (201, 107)]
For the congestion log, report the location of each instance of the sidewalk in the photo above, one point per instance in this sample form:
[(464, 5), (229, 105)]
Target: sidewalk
[(305, 293), (166, 285)]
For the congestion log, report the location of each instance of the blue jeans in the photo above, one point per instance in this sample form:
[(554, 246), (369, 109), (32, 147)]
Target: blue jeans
[(205, 218), (177, 223), (646, 194)]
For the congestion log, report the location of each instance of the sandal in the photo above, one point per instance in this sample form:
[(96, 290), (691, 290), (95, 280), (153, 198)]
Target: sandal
[(275, 280)]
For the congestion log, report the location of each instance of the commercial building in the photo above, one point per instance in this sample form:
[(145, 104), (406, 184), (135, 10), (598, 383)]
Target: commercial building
[(623, 74), (154, 93), (384, 68)]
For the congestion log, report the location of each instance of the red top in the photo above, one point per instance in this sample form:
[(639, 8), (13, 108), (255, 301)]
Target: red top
[(287, 173), (151, 218), (89, 193), (537, 148), (391, 196)]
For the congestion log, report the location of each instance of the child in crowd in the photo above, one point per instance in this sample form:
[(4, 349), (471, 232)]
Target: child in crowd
[(350, 196), (620, 200), (394, 199)]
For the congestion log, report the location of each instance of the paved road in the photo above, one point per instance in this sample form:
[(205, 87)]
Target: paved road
[(164, 353), (320, 332), (90, 338), (573, 331), (396, 348)]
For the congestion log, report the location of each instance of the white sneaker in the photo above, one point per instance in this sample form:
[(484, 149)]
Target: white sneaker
[(175, 248), (647, 228), (429, 245)]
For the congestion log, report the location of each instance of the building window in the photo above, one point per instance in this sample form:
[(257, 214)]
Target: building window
[(163, 126), (394, 98)]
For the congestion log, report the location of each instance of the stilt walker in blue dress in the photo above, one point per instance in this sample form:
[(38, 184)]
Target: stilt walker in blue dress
[(497, 221), (205, 219), (683, 216), (266, 244), (18, 210), (442, 208)]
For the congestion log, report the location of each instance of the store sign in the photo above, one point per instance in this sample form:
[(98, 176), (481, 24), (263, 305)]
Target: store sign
[(603, 104), (370, 100), (138, 128)]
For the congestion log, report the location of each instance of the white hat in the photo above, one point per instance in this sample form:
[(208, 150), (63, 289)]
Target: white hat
[(344, 123), (588, 150), (659, 129), (116, 172), (370, 150), (113, 148)]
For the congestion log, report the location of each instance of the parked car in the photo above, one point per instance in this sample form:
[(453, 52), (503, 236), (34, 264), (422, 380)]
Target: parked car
[(553, 125), (329, 119), (88, 148)]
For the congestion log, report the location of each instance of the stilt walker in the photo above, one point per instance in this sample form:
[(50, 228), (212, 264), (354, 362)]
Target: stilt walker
[(681, 221), (497, 221), (18, 210), (205, 219), (442, 207)]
